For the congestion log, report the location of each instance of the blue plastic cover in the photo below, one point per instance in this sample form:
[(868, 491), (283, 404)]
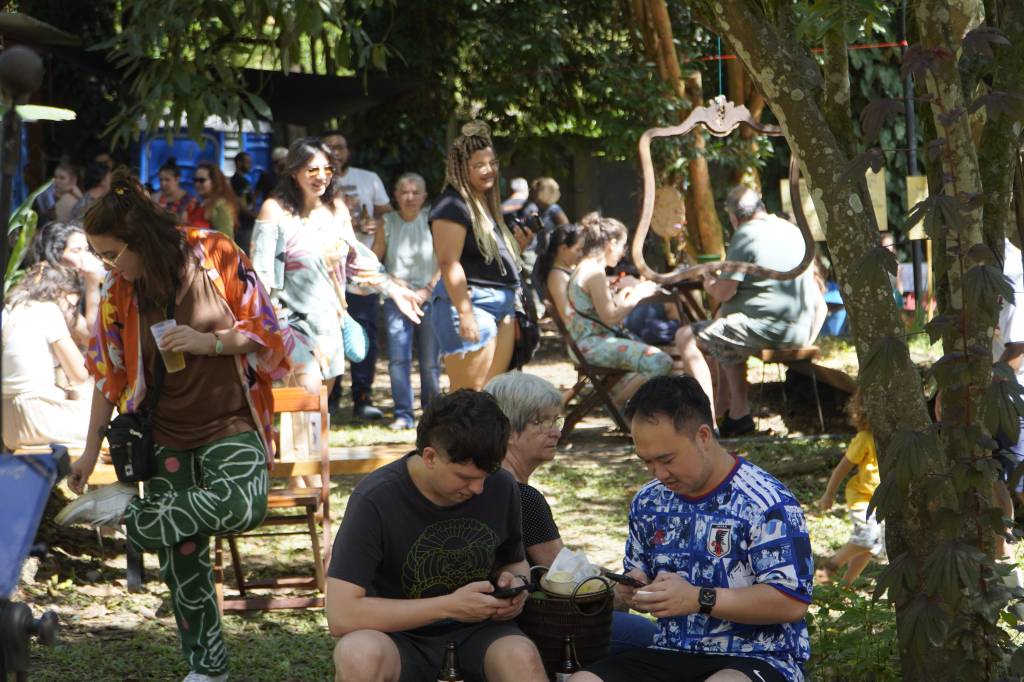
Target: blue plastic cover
[(25, 483)]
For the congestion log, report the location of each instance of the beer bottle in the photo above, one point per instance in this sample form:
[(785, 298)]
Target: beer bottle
[(450, 671), (569, 664)]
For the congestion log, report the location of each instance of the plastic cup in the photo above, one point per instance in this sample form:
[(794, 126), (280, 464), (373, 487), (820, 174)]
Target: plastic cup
[(174, 360)]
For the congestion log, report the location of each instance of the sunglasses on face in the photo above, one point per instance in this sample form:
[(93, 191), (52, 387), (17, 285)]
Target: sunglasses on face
[(109, 262), (314, 171)]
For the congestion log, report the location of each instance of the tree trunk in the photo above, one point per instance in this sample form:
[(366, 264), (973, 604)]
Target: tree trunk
[(793, 84), (935, 495), (703, 225), (741, 90)]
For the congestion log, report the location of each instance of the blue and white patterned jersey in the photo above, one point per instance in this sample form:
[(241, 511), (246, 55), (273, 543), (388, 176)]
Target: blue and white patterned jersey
[(748, 530)]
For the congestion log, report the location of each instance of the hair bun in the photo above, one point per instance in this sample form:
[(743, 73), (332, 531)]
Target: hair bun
[(476, 128)]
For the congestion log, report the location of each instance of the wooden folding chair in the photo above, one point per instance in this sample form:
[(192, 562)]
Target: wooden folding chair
[(601, 380), (308, 506)]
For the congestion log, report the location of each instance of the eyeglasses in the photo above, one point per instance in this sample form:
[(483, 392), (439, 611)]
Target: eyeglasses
[(548, 423), (314, 171), (107, 262)]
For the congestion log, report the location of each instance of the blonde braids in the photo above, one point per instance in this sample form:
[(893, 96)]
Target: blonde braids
[(475, 137)]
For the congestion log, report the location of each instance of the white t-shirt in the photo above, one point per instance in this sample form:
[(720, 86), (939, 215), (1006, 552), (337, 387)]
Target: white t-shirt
[(1011, 317), (29, 332), (370, 189)]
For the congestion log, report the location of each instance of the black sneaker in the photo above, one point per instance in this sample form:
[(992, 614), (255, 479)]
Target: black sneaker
[(733, 428)]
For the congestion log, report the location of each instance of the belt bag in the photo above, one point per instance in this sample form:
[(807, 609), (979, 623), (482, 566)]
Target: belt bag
[(130, 435)]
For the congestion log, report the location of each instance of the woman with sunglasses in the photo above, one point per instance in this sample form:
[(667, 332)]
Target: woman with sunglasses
[(219, 204), (213, 423), (305, 251)]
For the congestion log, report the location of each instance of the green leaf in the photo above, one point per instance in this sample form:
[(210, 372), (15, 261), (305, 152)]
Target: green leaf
[(910, 451), (378, 56), (23, 221), (951, 370), (951, 567), (884, 360), (38, 112), (922, 624), (983, 285), (940, 325), (260, 105), (875, 269), (899, 579), (1003, 405), (887, 499)]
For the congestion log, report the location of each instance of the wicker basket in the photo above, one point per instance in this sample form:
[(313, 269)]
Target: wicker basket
[(548, 619)]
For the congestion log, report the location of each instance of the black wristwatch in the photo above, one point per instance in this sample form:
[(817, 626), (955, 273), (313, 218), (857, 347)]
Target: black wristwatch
[(707, 598)]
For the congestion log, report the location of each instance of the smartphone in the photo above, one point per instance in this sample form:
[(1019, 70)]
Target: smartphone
[(623, 579), (506, 592)]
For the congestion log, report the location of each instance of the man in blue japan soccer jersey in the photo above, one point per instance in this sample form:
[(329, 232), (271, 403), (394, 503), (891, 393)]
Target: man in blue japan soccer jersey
[(722, 547)]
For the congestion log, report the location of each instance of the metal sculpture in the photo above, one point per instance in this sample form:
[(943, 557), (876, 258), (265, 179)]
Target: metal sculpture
[(720, 118)]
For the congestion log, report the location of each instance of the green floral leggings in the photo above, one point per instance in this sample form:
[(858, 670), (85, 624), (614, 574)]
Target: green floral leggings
[(215, 489)]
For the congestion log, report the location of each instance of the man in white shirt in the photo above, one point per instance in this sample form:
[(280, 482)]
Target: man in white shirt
[(367, 201)]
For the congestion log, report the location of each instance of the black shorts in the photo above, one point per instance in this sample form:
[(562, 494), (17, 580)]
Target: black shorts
[(661, 665), (422, 654)]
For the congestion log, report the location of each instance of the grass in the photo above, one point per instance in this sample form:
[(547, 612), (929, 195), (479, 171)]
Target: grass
[(115, 635)]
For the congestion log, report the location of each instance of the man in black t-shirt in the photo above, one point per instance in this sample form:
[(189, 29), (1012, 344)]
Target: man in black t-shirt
[(422, 545)]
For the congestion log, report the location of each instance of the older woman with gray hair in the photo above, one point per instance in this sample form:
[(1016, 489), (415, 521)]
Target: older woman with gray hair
[(534, 409)]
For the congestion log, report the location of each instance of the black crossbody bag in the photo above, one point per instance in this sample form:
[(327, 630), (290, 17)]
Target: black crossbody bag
[(130, 435)]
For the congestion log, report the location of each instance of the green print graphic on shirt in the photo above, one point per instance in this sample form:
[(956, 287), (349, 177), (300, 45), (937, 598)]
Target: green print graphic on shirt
[(446, 556)]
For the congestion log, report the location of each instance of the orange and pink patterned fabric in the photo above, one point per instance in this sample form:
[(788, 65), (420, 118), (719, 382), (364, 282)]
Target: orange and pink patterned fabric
[(114, 357)]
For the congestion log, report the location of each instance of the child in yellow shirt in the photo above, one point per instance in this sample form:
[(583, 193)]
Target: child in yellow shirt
[(868, 537)]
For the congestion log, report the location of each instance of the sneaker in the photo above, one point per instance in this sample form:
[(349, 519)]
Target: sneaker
[(400, 425), (366, 411), (199, 677), (732, 428), (102, 507)]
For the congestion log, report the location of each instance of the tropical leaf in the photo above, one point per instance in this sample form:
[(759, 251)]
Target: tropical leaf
[(875, 269), (910, 451), (38, 112), (979, 41), (23, 222), (874, 115), (883, 360), (984, 286)]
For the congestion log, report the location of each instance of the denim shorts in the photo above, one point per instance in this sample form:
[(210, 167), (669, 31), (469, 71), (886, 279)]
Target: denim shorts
[(491, 305)]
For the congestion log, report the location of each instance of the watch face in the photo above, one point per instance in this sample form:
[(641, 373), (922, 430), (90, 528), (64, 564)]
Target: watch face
[(706, 597)]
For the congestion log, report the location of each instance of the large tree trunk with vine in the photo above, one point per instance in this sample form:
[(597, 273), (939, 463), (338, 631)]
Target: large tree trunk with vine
[(742, 90), (936, 486), (703, 225)]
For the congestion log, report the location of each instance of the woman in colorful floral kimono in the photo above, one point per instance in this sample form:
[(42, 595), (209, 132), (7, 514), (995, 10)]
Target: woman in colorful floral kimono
[(305, 252), (212, 425)]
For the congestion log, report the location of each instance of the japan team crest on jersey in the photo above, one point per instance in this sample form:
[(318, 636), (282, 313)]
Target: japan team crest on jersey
[(719, 539)]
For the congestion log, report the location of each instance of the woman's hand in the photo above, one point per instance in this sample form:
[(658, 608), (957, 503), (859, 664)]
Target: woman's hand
[(408, 303), (468, 329), (81, 470), (185, 339)]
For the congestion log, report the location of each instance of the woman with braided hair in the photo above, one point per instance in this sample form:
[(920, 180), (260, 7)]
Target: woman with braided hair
[(472, 310)]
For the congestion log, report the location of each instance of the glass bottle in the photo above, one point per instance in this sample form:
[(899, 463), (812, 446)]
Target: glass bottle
[(570, 664), (450, 671)]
